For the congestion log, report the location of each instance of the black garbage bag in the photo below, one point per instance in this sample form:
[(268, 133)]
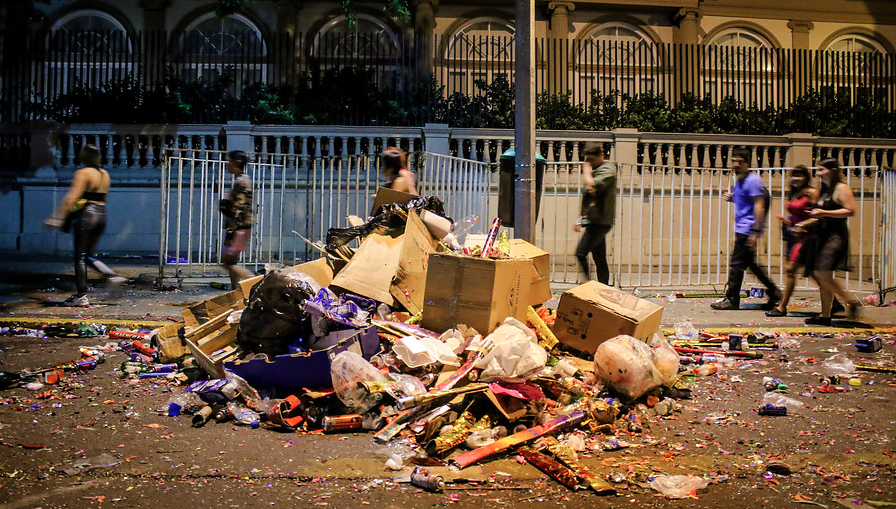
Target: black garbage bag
[(387, 216), (274, 318)]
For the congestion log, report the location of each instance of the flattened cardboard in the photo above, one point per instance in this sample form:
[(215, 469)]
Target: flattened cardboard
[(385, 195), (391, 269), (592, 313), (213, 349), (477, 292)]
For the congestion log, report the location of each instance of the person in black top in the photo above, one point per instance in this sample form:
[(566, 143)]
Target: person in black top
[(831, 241), (84, 211)]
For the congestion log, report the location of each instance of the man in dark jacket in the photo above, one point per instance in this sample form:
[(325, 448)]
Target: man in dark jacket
[(598, 211)]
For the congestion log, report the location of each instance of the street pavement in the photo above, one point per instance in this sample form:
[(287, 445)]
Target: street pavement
[(831, 449)]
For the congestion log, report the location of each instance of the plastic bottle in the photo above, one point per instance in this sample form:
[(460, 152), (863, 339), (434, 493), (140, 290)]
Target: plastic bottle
[(706, 369), (248, 393), (183, 401), (462, 227), (243, 415)]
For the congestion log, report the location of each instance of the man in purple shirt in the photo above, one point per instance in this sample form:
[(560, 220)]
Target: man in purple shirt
[(748, 197)]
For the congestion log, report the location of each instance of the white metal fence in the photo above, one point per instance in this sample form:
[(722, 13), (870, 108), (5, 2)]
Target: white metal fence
[(673, 227)]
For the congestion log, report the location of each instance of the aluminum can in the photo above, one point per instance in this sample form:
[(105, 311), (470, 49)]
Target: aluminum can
[(422, 478), (336, 423)]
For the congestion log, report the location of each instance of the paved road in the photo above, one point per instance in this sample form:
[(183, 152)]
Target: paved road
[(839, 447)]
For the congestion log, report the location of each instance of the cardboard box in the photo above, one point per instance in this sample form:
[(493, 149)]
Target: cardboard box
[(477, 292), (541, 261), (290, 373), (385, 195), (201, 313), (592, 313), (214, 348), (391, 269)]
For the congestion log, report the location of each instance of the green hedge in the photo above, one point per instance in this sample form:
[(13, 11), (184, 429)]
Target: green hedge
[(345, 97)]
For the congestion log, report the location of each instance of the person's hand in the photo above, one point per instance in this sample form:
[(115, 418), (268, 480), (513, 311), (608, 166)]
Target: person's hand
[(54, 222), (817, 213), (784, 220), (728, 195), (753, 240), (577, 227)]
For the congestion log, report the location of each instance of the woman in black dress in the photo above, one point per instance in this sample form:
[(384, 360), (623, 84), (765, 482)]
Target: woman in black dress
[(831, 252)]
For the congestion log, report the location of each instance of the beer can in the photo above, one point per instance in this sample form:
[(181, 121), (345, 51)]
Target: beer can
[(757, 293), (422, 478), (336, 423), (869, 345), (769, 409), (735, 342)]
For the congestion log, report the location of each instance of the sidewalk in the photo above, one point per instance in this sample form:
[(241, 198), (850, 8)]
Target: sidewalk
[(33, 287)]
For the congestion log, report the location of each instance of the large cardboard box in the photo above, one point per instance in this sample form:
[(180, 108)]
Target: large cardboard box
[(541, 261), (391, 269), (592, 313), (385, 195), (477, 292)]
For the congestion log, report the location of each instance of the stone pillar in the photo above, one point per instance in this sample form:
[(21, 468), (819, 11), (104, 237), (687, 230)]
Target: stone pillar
[(800, 151), (239, 136), (557, 51), (155, 38), (625, 149), (686, 52), (800, 33), (285, 44), (436, 139), (424, 29), (42, 152)]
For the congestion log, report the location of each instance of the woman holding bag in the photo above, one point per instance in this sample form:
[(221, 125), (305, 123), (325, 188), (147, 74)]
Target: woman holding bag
[(84, 209)]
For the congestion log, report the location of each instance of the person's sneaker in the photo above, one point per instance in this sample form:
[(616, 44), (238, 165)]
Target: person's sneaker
[(724, 305), (775, 312), (117, 280), (773, 300), (818, 320), (836, 307), (77, 301)]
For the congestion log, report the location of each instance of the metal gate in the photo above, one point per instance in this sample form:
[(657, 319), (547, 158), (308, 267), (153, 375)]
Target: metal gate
[(295, 198)]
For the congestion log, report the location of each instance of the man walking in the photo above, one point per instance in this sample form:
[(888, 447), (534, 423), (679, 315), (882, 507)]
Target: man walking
[(237, 210), (598, 211), (749, 200)]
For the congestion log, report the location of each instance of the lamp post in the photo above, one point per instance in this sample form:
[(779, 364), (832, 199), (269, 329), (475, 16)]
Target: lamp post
[(524, 130)]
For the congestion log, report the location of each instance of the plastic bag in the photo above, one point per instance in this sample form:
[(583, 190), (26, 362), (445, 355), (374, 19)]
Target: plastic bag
[(628, 365), (678, 486), (778, 399), (838, 364), (274, 317), (666, 359), (516, 354), (349, 369), (387, 216), (685, 330)]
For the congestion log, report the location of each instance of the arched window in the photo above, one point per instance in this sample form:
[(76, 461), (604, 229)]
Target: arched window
[(367, 39), (87, 46), (480, 50), (856, 43), (847, 57), (212, 46), (614, 56), (740, 63)]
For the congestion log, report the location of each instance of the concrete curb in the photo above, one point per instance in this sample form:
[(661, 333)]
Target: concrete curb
[(800, 331), (36, 323)]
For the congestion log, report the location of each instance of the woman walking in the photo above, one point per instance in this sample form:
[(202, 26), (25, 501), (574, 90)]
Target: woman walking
[(84, 209), (831, 251)]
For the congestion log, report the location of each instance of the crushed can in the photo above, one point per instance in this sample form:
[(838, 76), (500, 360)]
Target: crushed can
[(422, 478), (337, 423), (757, 293), (869, 345), (769, 409)]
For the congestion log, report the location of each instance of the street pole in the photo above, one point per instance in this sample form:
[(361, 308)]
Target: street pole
[(524, 131)]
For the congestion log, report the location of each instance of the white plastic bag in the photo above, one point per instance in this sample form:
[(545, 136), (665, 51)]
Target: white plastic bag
[(838, 365), (416, 352), (516, 354), (628, 365), (347, 370), (678, 486), (665, 358)]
